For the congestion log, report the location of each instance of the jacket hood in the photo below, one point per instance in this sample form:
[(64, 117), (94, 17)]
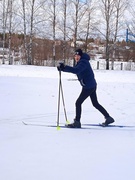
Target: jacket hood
[(85, 56)]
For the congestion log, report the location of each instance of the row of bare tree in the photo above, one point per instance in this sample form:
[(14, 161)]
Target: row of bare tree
[(65, 20)]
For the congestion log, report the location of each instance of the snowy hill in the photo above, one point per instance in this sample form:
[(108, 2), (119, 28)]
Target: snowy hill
[(37, 152)]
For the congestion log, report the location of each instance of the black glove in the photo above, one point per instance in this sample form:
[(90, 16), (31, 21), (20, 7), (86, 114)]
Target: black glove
[(61, 67)]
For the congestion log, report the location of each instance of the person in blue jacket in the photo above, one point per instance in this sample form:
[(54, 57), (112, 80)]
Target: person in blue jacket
[(87, 80)]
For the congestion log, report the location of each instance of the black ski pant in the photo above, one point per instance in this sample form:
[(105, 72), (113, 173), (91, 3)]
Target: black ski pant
[(85, 93)]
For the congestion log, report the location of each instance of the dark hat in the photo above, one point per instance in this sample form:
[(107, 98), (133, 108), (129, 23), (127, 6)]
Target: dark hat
[(78, 52)]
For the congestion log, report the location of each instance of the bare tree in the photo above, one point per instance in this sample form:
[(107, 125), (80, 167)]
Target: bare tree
[(129, 53), (30, 58), (77, 14), (54, 29), (107, 12), (130, 23), (25, 54), (88, 22), (7, 26), (10, 5), (52, 13), (112, 11), (32, 16), (62, 20), (4, 26), (64, 5), (120, 7), (4, 30)]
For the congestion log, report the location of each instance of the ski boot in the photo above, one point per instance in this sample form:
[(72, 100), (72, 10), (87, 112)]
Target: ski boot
[(75, 124), (109, 120)]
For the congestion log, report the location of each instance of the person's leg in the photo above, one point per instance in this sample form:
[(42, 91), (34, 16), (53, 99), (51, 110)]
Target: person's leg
[(96, 104), (83, 95)]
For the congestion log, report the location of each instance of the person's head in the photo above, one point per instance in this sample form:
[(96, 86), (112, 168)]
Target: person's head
[(78, 54)]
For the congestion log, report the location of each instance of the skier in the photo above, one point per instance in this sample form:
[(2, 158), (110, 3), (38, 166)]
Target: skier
[(87, 80)]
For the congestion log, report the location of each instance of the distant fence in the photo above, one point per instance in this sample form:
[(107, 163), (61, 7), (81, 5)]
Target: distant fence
[(116, 65)]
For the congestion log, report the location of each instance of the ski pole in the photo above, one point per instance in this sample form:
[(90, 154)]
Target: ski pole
[(59, 100), (63, 101)]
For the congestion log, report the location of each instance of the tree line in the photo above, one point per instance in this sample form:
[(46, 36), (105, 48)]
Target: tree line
[(45, 29)]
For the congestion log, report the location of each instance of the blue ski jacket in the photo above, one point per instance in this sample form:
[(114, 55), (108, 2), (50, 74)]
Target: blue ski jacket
[(83, 71)]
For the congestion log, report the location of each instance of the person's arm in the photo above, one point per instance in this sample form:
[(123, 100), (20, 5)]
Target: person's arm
[(82, 65)]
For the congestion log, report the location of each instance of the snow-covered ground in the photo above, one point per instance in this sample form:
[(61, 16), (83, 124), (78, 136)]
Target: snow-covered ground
[(30, 94)]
